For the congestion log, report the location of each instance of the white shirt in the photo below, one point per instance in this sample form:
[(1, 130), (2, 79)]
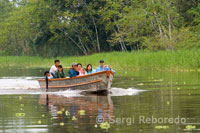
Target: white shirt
[(53, 70)]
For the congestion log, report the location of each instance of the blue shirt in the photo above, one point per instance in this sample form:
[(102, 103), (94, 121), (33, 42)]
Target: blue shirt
[(73, 73), (90, 72), (100, 68)]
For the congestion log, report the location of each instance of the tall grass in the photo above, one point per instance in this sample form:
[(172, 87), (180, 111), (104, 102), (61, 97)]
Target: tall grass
[(183, 60)]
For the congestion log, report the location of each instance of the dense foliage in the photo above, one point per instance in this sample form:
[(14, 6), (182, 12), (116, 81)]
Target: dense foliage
[(81, 27)]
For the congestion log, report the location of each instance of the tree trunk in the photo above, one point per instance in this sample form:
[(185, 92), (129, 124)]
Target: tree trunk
[(83, 46), (159, 25), (170, 31), (97, 36), (77, 45)]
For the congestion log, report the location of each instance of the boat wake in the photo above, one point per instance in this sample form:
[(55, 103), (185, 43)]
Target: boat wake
[(29, 85), (124, 92), (22, 83)]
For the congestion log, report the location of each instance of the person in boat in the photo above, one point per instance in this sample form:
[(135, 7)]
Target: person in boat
[(84, 71), (73, 72), (89, 69), (60, 73), (54, 68), (103, 67), (47, 74), (80, 69)]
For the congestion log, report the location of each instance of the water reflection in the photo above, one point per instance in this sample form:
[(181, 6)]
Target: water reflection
[(90, 110)]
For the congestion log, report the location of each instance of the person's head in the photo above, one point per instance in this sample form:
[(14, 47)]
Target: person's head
[(79, 66), (46, 73), (89, 67), (74, 66), (57, 63), (60, 68), (101, 62)]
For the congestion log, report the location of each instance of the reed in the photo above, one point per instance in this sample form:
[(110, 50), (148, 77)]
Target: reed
[(182, 60)]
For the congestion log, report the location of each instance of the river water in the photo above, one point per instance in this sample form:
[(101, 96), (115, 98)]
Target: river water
[(139, 101)]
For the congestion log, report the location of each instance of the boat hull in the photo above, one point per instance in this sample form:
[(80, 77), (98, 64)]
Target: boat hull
[(100, 81)]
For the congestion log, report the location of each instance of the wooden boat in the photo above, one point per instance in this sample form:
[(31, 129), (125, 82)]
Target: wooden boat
[(96, 82)]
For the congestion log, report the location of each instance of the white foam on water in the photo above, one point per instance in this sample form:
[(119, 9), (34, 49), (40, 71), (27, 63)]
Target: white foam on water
[(124, 92), (18, 83)]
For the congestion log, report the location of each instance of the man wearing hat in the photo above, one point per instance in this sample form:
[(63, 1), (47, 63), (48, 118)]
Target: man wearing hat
[(73, 72), (103, 67)]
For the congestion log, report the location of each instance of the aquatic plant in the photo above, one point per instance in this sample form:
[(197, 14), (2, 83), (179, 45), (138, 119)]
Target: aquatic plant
[(181, 60)]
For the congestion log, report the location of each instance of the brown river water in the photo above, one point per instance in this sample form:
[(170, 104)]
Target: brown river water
[(141, 101)]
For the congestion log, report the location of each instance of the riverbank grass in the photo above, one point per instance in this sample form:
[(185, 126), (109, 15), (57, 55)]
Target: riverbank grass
[(184, 60)]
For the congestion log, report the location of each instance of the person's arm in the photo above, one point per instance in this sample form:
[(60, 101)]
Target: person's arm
[(51, 70), (105, 68), (113, 71), (77, 72), (93, 70), (70, 73), (98, 69), (56, 75)]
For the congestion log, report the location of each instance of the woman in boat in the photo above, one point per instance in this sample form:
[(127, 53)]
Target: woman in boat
[(89, 69), (60, 73), (80, 69)]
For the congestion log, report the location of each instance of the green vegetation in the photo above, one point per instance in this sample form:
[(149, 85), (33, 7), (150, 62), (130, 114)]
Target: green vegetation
[(52, 28), (184, 60)]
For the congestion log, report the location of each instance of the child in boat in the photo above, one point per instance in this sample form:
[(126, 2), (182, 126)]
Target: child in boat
[(80, 69), (73, 72), (89, 69), (47, 74), (84, 71), (60, 73)]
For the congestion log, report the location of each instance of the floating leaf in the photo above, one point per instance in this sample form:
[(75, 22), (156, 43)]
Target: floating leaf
[(161, 127), (62, 124), (105, 125), (22, 105), (20, 114), (95, 126), (168, 102), (140, 84), (67, 113), (178, 88), (20, 97), (39, 122), (81, 112), (59, 112), (190, 127), (63, 109), (74, 118)]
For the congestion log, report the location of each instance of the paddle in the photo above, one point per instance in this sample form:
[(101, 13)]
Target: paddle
[(47, 86), (47, 83)]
